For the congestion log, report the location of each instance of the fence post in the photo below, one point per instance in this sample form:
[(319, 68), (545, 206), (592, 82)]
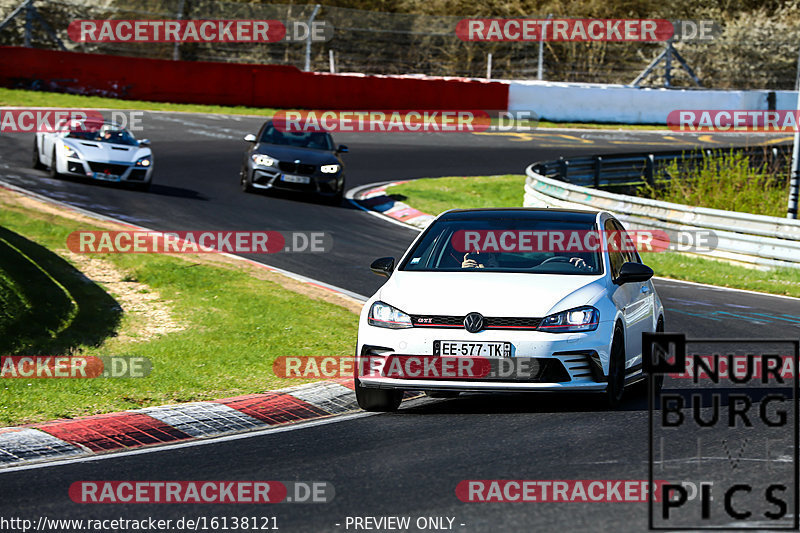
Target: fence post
[(330, 61), (541, 50), (489, 66), (564, 168), (176, 50), (308, 39), (28, 23)]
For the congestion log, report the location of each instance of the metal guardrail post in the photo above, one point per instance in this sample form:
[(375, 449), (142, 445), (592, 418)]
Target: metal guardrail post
[(649, 167), (564, 168), (598, 169)]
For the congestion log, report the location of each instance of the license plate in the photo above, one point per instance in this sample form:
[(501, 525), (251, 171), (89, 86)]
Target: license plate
[(295, 179), (471, 349), (105, 177)]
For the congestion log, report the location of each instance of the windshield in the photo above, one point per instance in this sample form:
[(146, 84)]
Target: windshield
[(507, 245), (105, 133), (319, 140)]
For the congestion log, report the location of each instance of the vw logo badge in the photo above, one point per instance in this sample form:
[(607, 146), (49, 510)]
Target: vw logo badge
[(473, 322)]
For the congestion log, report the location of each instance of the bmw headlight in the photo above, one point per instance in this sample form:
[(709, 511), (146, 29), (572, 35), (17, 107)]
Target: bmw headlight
[(71, 152), (330, 169), (385, 316), (263, 160), (144, 161), (579, 319)]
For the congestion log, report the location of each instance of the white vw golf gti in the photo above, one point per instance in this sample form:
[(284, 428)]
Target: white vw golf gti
[(508, 300)]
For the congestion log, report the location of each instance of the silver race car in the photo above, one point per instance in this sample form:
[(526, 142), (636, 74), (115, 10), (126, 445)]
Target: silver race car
[(98, 150)]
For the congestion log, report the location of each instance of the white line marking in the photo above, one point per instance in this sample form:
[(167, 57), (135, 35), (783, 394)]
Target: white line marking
[(92, 214), (717, 287)]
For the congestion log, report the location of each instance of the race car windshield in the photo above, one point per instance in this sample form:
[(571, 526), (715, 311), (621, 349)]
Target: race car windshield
[(522, 246), (319, 140), (103, 134)]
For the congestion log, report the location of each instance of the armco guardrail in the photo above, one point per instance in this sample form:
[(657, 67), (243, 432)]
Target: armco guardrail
[(753, 239), (638, 168)]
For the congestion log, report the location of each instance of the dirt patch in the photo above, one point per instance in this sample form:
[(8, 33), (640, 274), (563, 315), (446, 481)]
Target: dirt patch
[(13, 198), (151, 314)]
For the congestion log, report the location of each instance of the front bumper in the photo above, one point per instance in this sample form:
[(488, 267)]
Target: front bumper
[(113, 172), (581, 357), (318, 183)]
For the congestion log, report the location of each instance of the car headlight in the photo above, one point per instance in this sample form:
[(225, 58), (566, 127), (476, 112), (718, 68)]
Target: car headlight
[(385, 316), (263, 160), (69, 151), (579, 319), (330, 169), (144, 161)]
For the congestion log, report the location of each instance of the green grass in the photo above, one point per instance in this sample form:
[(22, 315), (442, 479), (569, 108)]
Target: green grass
[(236, 325), (20, 97), (726, 181), (434, 195)]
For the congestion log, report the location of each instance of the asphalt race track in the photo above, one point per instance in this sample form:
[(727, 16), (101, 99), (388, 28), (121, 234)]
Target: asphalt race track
[(407, 463)]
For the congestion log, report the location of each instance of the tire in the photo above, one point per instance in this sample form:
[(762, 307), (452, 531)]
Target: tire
[(380, 400), (244, 183), (37, 162), (442, 394), (53, 169), (616, 370)]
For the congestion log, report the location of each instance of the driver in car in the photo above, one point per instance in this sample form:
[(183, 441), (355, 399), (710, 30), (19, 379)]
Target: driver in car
[(489, 260), (478, 260)]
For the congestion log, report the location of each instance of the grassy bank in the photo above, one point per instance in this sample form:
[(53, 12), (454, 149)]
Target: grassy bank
[(434, 195), (726, 181), (229, 322), (19, 97)]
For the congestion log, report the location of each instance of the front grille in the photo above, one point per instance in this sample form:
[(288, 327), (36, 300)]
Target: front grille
[(138, 174), (537, 370), (296, 168), (107, 168), (490, 322)]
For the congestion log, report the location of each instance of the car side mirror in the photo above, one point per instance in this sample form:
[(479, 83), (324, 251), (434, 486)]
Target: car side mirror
[(144, 142), (250, 138), (383, 266), (342, 149), (631, 272)]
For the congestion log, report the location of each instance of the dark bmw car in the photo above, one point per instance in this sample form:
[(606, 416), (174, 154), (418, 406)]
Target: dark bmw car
[(306, 162)]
